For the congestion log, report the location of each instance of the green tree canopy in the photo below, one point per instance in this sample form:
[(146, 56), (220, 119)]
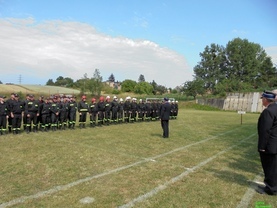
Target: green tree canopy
[(194, 88), (128, 85), (242, 65), (143, 88)]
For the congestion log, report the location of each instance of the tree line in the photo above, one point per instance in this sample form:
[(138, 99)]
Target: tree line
[(95, 85)]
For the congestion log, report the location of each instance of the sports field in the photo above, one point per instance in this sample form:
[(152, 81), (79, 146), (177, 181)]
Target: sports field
[(210, 160)]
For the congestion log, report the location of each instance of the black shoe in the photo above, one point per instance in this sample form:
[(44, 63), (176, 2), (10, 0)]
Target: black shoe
[(265, 191)]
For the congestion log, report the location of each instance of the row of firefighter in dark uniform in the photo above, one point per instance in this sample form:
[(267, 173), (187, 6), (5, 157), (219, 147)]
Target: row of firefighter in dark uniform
[(58, 112)]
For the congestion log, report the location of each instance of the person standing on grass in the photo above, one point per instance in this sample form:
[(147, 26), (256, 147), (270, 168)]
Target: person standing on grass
[(83, 107), (3, 115), (32, 113), (16, 114), (72, 109), (164, 116), (267, 143), (93, 112)]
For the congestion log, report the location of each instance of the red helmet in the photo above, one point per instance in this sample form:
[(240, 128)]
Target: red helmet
[(93, 100), (84, 97), (101, 98)]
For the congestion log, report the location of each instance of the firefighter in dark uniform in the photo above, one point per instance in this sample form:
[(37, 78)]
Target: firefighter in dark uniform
[(32, 112), (115, 110), (63, 113), (107, 114), (40, 102), (134, 110), (165, 116), (16, 114), (172, 105), (45, 115), (54, 113), (177, 109), (154, 110), (24, 118), (83, 110), (267, 143), (9, 101), (141, 110), (72, 109), (159, 105), (101, 110), (148, 110), (93, 112), (3, 115), (120, 110), (127, 109)]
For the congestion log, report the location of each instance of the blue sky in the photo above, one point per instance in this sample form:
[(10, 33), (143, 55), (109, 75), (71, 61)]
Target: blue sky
[(160, 39)]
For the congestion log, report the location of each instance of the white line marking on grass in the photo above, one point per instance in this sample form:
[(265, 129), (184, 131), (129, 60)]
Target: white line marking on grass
[(249, 193), (75, 183), (159, 188)]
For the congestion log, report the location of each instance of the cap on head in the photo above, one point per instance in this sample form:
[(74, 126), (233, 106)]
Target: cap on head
[(268, 95), (166, 99)]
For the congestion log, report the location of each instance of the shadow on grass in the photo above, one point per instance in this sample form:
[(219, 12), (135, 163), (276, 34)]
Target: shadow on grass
[(241, 169)]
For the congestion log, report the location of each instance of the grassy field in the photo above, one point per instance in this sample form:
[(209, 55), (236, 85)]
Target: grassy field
[(210, 160), (36, 89)]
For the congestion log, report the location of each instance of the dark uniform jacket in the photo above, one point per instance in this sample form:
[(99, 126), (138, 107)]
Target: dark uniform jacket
[(83, 106), (31, 107), (267, 130), (165, 111), (72, 107), (16, 107), (3, 109), (93, 108)]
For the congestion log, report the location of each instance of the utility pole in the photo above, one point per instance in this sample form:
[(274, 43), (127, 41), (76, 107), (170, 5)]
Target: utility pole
[(20, 79)]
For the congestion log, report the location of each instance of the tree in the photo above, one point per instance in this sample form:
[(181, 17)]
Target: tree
[(211, 67), (141, 78), (154, 84), (1, 82), (65, 82), (95, 84), (240, 66), (143, 88), (111, 78), (50, 82), (194, 88), (160, 89), (128, 85)]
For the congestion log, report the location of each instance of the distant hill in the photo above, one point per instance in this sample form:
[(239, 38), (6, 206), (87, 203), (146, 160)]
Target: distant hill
[(36, 89)]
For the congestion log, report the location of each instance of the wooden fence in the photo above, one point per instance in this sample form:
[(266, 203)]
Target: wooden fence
[(248, 102)]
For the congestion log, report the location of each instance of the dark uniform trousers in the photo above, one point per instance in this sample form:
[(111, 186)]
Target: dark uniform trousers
[(269, 164), (165, 128), (32, 119), (3, 124), (16, 123)]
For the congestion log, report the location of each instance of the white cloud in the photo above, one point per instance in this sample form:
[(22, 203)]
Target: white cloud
[(55, 48)]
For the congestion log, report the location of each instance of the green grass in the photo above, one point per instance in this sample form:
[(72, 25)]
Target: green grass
[(118, 163)]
